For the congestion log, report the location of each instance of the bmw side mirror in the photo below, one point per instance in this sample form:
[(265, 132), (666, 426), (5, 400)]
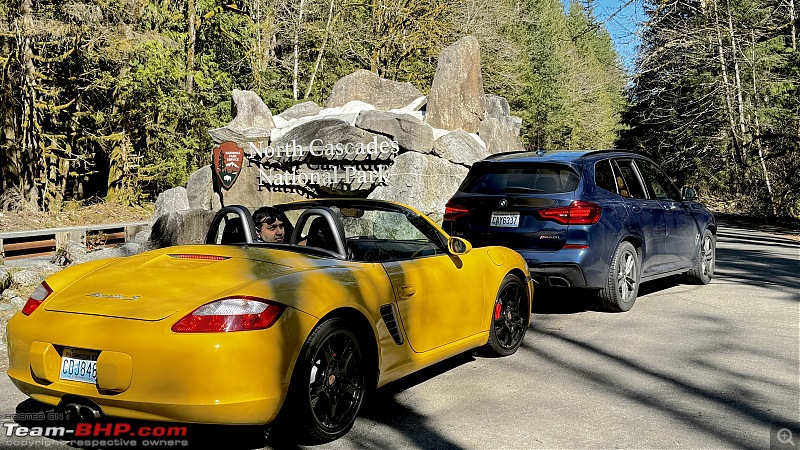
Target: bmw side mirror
[(458, 246), (688, 193)]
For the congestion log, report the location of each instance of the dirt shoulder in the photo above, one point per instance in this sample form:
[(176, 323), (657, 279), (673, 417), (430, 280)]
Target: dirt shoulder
[(73, 215)]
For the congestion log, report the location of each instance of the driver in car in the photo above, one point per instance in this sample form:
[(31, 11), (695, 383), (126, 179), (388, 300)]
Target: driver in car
[(271, 225)]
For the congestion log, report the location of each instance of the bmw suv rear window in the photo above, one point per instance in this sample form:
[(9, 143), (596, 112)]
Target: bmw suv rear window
[(519, 178)]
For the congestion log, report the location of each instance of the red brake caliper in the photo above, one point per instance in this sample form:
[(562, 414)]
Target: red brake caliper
[(497, 310)]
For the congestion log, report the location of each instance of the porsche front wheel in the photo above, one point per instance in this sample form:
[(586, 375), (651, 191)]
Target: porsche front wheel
[(510, 316), (330, 381)]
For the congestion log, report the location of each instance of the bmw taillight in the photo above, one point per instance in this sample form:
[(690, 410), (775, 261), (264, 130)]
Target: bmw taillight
[(36, 298), (230, 314), (578, 212), (453, 211)]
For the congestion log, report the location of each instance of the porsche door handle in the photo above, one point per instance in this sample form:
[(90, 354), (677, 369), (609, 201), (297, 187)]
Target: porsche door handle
[(407, 291)]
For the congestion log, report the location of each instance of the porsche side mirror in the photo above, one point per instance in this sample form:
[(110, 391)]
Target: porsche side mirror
[(458, 246), (688, 193)]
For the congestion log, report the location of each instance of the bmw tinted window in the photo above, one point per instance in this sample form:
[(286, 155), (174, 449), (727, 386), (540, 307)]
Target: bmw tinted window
[(517, 178), (658, 182), (628, 180), (604, 176)]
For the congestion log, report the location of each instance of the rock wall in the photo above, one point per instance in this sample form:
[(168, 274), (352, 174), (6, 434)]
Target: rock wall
[(438, 138), (414, 149)]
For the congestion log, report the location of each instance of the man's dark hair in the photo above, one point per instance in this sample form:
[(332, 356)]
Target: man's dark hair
[(267, 214)]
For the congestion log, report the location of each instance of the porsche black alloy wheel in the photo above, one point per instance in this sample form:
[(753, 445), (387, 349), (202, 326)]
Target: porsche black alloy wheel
[(331, 381), (509, 317)]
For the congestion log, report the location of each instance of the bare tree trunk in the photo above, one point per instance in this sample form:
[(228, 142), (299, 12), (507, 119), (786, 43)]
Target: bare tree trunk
[(192, 17), (726, 82), (792, 18), (734, 50), (321, 50), (296, 70), (29, 158)]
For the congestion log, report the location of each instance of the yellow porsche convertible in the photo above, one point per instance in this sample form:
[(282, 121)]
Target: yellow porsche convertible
[(236, 331)]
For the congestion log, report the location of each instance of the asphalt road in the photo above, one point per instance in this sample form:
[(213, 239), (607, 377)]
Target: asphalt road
[(714, 366)]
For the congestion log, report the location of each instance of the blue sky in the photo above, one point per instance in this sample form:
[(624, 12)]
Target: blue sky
[(623, 26)]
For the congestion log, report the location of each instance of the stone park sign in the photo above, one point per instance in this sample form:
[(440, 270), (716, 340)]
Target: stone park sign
[(332, 167), (408, 148), (374, 138)]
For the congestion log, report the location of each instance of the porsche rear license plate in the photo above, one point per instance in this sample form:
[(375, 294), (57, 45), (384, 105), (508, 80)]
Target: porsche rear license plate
[(79, 365), (505, 219)]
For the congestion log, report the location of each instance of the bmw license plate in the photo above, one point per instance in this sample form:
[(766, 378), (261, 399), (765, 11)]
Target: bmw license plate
[(79, 365), (505, 219)]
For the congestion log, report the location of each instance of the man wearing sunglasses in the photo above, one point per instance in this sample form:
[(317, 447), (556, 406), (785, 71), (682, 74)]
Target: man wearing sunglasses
[(271, 224)]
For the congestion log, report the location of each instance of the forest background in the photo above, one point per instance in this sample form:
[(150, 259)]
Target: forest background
[(113, 99)]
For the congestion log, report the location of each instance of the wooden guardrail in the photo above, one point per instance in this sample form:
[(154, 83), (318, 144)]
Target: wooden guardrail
[(27, 244)]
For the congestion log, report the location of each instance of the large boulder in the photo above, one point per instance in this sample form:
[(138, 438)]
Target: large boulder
[(425, 182), (300, 110), (456, 96), (409, 132), (241, 137), (174, 199), (200, 189), (368, 87), (496, 106), (304, 133), (350, 136), (500, 135), (251, 111), (499, 129), (252, 120), (179, 228), (459, 147)]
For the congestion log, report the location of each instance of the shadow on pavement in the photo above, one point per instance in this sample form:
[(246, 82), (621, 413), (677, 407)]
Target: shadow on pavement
[(382, 407)]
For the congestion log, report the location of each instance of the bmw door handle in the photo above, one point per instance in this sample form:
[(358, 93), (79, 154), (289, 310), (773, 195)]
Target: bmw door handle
[(637, 209), (407, 291)]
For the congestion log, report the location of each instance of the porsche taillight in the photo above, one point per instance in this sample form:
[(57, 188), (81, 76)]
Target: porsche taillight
[(230, 314), (36, 298)]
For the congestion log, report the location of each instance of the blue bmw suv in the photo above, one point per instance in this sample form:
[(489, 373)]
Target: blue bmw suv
[(605, 219)]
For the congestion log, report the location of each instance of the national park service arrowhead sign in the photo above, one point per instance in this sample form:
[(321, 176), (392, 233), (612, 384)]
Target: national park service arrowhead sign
[(228, 159)]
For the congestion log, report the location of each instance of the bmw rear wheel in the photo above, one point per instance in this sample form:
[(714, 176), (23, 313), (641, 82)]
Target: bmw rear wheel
[(622, 284), (331, 381), (703, 268), (510, 316)]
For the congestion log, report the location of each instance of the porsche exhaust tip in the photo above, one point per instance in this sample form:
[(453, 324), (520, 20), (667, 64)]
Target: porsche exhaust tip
[(89, 413), (72, 411), (76, 411)]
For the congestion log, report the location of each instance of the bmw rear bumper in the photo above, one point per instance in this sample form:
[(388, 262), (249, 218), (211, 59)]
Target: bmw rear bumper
[(557, 275), (567, 268)]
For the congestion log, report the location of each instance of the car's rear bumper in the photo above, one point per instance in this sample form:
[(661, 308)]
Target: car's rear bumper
[(154, 374), (567, 267), (557, 274)]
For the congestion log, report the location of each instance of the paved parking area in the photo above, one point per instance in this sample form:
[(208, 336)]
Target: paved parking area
[(714, 366)]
